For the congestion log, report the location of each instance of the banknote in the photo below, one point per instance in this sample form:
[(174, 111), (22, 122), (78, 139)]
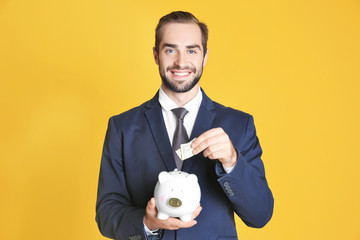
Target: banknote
[(178, 152), (185, 150)]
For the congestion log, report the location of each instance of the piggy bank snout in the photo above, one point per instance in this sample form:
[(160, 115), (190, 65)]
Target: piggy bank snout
[(175, 202)]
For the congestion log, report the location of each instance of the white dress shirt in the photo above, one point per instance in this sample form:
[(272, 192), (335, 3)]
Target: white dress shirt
[(171, 120)]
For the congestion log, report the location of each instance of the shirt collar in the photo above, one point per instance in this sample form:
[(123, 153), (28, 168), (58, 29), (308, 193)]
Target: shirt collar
[(167, 104)]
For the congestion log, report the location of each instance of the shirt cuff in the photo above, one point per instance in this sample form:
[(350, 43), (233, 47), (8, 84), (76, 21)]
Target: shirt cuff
[(149, 232), (228, 169)]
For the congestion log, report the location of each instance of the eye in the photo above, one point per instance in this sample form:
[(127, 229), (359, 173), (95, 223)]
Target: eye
[(170, 51), (191, 52)]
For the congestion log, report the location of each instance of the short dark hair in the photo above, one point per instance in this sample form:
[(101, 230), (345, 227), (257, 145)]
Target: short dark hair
[(180, 17)]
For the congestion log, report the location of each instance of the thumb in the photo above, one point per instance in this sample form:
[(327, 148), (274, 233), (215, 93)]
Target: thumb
[(151, 204)]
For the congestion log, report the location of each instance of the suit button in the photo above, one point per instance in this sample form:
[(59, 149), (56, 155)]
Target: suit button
[(135, 237), (226, 184)]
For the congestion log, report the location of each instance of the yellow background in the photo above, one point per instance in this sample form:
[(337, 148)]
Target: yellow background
[(67, 66)]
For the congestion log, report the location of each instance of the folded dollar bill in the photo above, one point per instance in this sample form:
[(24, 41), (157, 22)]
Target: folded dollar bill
[(185, 150)]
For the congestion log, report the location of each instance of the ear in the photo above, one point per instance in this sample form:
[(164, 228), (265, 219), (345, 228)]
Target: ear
[(164, 176), (192, 178), (156, 56), (205, 57)]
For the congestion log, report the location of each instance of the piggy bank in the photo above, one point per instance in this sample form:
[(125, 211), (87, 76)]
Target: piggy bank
[(177, 194)]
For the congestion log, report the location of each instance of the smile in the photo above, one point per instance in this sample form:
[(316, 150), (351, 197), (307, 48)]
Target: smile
[(180, 74)]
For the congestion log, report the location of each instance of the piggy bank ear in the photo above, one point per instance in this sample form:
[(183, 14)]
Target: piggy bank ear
[(164, 176), (192, 178)]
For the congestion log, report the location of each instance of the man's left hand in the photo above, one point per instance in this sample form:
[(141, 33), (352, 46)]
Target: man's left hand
[(216, 144)]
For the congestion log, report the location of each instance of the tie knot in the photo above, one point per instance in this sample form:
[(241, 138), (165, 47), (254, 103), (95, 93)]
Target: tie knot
[(180, 112)]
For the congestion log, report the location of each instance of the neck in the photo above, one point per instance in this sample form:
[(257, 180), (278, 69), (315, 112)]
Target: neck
[(181, 98)]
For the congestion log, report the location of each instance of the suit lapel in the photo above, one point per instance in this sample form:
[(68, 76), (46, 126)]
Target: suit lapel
[(203, 123), (156, 122)]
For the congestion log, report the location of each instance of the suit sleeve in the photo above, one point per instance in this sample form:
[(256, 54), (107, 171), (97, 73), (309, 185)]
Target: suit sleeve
[(115, 215), (246, 185)]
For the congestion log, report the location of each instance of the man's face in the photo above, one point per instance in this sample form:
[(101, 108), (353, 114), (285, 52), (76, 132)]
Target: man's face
[(181, 56)]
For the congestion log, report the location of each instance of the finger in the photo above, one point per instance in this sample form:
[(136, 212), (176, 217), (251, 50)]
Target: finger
[(212, 140), (174, 223), (210, 133), (221, 154), (150, 215), (196, 212), (151, 203), (213, 148), (151, 206)]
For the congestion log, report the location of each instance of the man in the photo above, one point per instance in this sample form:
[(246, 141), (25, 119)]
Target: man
[(138, 146)]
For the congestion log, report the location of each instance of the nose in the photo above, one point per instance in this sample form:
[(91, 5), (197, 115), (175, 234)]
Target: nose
[(180, 60), (175, 202)]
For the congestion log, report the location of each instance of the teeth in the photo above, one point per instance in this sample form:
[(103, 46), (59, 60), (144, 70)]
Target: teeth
[(180, 74)]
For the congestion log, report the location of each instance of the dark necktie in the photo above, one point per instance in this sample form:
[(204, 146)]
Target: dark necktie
[(180, 135)]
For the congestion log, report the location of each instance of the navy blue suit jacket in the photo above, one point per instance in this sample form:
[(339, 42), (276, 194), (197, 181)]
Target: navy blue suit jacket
[(137, 149)]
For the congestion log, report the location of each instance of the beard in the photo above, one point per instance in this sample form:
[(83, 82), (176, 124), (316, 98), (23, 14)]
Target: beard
[(178, 86)]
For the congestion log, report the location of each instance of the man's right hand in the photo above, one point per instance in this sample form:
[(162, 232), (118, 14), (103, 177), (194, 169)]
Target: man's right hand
[(153, 223)]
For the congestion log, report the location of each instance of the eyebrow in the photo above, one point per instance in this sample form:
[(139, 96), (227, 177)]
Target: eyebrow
[(169, 45), (193, 46), (175, 46)]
